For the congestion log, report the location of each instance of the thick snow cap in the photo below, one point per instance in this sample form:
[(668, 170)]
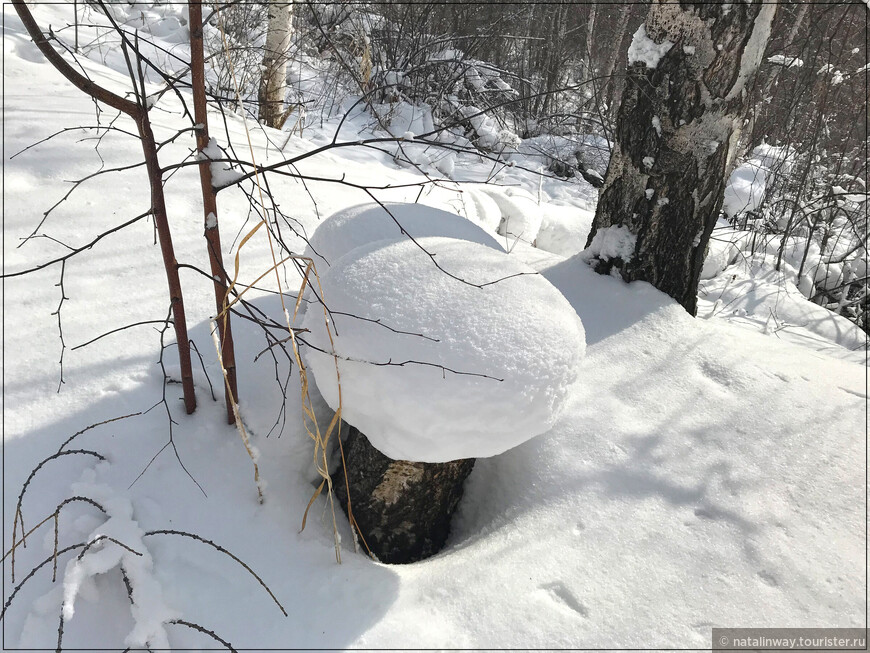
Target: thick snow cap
[(414, 383), (368, 223)]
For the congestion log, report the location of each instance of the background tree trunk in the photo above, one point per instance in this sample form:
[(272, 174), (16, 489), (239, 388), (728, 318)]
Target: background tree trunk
[(588, 48), (273, 82), (798, 20), (676, 134), (612, 87), (402, 509)]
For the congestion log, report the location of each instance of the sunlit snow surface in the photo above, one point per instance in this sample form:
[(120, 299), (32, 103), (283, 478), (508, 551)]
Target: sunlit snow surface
[(701, 473), (464, 360), (363, 224)]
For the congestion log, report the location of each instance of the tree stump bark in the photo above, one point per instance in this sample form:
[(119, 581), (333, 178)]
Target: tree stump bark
[(402, 509)]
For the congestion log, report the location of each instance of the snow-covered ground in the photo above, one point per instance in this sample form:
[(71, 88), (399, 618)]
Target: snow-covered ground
[(703, 472)]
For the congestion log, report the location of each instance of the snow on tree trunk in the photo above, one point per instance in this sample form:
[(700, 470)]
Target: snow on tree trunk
[(273, 82), (402, 508), (678, 124)]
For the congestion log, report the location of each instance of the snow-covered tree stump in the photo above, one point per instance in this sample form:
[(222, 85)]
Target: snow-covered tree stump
[(424, 346), (402, 508)]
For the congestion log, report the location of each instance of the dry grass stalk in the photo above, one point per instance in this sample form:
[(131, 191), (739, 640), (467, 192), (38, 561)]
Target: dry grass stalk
[(365, 67), (321, 440)]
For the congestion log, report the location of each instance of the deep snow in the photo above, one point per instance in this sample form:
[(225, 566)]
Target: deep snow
[(701, 474), (464, 360)]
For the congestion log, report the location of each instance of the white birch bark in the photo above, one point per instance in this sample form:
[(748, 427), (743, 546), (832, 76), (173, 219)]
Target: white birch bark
[(273, 83)]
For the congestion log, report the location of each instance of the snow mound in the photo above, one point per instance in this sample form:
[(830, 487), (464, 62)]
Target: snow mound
[(745, 189), (520, 212), (452, 370), (148, 608), (723, 249), (748, 183), (367, 223), (564, 229), (482, 209), (757, 296), (402, 118)]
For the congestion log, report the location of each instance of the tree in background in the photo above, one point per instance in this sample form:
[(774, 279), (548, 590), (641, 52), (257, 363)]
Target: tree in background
[(273, 83), (690, 68)]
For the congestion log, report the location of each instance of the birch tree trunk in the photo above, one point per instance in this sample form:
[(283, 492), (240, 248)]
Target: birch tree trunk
[(786, 44), (678, 124), (273, 83), (609, 84), (588, 55)]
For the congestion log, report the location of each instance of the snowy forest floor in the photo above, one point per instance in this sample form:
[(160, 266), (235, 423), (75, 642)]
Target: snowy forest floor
[(706, 472)]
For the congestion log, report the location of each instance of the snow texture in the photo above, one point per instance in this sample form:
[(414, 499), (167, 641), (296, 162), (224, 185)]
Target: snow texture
[(786, 62), (745, 190), (643, 49), (482, 209), (703, 471), (564, 230), (768, 301), (521, 214), (359, 225), (747, 184), (434, 404), (615, 241), (149, 610)]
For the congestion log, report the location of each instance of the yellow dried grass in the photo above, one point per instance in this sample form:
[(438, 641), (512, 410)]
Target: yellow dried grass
[(309, 419), (365, 67)]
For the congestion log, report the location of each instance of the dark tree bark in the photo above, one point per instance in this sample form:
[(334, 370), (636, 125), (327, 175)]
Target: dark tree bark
[(164, 236), (676, 133), (402, 509)]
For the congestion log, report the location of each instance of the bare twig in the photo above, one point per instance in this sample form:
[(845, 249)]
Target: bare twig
[(221, 549)]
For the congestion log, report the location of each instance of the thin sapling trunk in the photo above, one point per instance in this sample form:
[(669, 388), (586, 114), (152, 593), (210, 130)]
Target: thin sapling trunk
[(209, 203)]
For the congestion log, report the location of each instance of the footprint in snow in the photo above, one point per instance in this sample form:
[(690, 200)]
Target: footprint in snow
[(704, 513), (860, 395), (562, 595), (22, 47), (703, 626)]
